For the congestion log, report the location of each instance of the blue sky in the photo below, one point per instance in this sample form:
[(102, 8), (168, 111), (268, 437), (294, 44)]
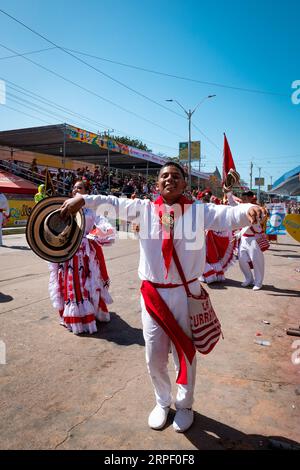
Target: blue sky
[(242, 44)]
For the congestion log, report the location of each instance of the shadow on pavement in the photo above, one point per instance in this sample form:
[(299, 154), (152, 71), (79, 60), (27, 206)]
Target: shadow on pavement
[(119, 332), (5, 298), (288, 256), (285, 292), (276, 251), (265, 288), (285, 244), (209, 434)]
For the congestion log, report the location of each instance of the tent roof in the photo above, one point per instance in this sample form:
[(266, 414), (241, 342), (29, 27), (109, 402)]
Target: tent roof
[(10, 183), (288, 183), (79, 144)]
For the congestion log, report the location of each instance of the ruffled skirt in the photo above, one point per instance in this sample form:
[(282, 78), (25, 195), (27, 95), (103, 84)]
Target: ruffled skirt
[(79, 289)]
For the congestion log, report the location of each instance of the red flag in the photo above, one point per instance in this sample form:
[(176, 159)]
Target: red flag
[(228, 163)]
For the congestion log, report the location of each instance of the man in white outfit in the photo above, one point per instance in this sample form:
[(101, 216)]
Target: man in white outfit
[(4, 212), (165, 316), (250, 253)]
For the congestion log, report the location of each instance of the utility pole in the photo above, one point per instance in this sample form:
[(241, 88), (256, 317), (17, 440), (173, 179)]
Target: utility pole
[(251, 170), (258, 191), (189, 115)]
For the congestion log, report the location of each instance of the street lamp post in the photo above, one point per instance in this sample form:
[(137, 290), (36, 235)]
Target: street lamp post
[(189, 114)]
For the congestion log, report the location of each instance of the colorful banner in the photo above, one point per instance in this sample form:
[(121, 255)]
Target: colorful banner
[(19, 211), (82, 135), (275, 221)]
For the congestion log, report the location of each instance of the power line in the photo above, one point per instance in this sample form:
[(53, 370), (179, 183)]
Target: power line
[(28, 53), (156, 72), (221, 85), (25, 114), (44, 100), (91, 92), (96, 69), (89, 65)]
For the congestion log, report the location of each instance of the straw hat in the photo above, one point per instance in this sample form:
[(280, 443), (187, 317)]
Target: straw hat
[(231, 179), (51, 237)]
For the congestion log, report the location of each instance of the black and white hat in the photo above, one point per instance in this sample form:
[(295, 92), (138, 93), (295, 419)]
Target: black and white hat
[(49, 235)]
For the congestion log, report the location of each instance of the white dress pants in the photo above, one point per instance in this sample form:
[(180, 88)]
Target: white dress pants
[(250, 251), (158, 345)]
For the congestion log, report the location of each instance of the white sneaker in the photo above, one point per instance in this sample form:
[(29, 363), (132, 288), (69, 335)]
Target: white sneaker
[(257, 287), (246, 283), (158, 417), (183, 420)]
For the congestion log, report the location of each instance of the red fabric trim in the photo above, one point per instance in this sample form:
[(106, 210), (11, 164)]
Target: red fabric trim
[(246, 235), (66, 281), (102, 305), (158, 309), (86, 319), (215, 247), (101, 259), (76, 279)]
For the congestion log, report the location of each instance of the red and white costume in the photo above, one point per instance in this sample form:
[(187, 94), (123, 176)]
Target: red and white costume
[(221, 253), (250, 255), (79, 287), (164, 300)]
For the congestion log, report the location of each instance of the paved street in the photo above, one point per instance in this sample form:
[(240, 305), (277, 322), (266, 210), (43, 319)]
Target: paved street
[(61, 391)]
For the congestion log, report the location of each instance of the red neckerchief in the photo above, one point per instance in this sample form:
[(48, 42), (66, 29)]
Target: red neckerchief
[(167, 220)]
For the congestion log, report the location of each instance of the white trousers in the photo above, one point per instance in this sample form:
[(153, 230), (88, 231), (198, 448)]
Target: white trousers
[(158, 345), (250, 251)]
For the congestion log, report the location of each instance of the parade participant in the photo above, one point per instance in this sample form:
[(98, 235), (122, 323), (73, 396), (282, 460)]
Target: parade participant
[(250, 254), (221, 252), (79, 287), (4, 213), (41, 194), (165, 316)]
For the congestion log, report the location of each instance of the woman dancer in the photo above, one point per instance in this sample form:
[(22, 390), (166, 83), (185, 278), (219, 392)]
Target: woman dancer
[(79, 287)]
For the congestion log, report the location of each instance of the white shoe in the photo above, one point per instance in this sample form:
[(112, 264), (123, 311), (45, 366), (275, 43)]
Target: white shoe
[(247, 283), (158, 417), (257, 287), (101, 316), (183, 420)]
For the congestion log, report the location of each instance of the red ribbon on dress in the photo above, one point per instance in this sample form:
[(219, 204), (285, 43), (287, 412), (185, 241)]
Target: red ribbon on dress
[(158, 309)]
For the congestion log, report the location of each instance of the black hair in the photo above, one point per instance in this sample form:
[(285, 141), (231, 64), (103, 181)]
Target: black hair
[(248, 193), (171, 163)]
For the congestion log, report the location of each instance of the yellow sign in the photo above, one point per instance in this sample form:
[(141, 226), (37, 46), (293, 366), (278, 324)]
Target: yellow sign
[(292, 225), (195, 150), (19, 211)]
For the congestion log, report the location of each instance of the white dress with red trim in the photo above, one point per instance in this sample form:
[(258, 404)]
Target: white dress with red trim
[(79, 287), (221, 253)]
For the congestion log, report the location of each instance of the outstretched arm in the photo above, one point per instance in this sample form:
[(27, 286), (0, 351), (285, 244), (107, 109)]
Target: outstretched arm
[(229, 218)]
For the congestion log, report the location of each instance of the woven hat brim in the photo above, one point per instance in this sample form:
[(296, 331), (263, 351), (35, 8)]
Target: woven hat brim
[(36, 237)]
